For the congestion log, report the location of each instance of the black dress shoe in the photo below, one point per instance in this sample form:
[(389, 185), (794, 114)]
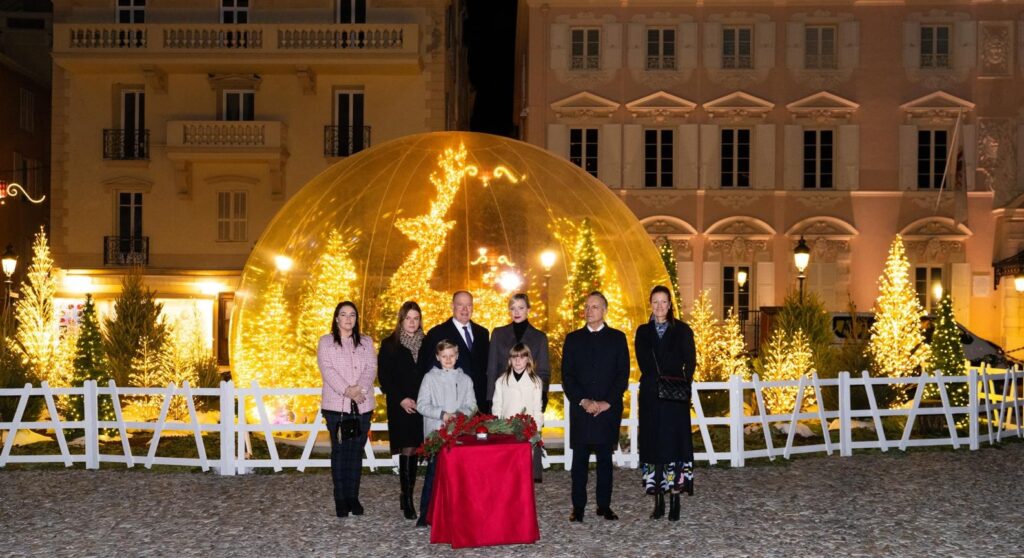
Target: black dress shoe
[(341, 508), (576, 515), (607, 513), (355, 506)]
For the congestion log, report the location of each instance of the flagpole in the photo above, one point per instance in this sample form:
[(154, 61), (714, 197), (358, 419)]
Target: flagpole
[(950, 151)]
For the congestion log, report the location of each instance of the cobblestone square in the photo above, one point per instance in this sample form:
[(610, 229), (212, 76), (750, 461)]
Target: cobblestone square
[(923, 503)]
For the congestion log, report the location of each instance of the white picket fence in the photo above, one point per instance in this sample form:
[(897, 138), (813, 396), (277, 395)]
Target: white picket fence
[(995, 405)]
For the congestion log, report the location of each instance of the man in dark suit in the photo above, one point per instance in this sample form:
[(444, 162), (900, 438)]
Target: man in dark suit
[(472, 339), (595, 375)]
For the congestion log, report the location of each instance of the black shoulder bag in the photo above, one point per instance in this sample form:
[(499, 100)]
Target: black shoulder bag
[(350, 428), (672, 388)]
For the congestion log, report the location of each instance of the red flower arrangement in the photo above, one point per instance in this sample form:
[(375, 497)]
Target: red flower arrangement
[(522, 426)]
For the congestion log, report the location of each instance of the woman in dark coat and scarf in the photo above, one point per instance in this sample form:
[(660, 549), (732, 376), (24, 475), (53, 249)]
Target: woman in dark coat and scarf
[(664, 346), (400, 381)]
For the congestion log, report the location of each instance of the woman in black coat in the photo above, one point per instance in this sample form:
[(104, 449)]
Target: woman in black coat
[(400, 381), (665, 346), (503, 338)]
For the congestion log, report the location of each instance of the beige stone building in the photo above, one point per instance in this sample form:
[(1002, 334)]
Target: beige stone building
[(734, 129), (182, 126)]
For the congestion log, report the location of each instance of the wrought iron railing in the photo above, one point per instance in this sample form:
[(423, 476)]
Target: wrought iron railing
[(342, 141), (661, 62), (125, 250), (125, 145)]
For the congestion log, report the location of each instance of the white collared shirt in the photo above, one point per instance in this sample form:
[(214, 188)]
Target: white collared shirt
[(463, 331), (595, 330)]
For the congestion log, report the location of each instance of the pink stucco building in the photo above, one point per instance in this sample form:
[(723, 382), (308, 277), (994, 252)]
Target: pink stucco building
[(735, 128)]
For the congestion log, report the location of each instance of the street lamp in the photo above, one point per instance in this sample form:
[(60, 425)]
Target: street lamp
[(547, 261), (801, 257), (10, 263), (1018, 282), (741, 277)]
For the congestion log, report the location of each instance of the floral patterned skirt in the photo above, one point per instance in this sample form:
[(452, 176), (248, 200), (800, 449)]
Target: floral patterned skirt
[(666, 477)]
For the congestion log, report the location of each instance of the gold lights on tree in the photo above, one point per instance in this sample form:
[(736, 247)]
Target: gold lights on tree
[(897, 348), (785, 357)]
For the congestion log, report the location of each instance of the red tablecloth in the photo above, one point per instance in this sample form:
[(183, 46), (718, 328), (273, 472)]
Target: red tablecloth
[(483, 494)]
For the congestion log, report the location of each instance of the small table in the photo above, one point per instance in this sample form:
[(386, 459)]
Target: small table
[(483, 494)]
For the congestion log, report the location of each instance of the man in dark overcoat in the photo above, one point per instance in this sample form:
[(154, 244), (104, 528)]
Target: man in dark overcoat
[(595, 375), (472, 339)]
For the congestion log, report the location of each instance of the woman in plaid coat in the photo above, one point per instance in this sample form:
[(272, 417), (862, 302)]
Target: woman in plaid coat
[(348, 366)]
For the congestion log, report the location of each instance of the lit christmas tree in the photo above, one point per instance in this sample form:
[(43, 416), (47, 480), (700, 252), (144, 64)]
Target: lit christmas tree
[(332, 280), (732, 348), (136, 321), (148, 370), (897, 347), (38, 334), (588, 272), (784, 357), (668, 257), (90, 361), (948, 354), (269, 351), (705, 336)]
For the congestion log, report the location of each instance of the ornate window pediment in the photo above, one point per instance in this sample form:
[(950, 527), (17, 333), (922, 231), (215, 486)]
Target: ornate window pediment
[(234, 81), (738, 106), (750, 227), (660, 106), (942, 228), (584, 105), (828, 237), (936, 108), (739, 238), (823, 107), (128, 183), (669, 227), (935, 239), (675, 230)]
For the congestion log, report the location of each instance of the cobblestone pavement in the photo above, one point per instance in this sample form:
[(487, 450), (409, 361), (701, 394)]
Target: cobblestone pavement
[(925, 503)]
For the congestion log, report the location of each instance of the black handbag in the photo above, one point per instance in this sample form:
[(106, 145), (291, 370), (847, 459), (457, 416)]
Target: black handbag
[(350, 426), (672, 388)]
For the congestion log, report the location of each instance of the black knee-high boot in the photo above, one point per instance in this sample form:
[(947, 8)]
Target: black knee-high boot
[(659, 505), (673, 507), (410, 488), (403, 478)]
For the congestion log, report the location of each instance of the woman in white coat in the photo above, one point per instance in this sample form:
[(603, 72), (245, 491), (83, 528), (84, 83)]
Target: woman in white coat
[(519, 390)]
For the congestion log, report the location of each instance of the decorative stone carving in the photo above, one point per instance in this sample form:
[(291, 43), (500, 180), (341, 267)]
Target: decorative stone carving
[(997, 153), (655, 200), (739, 248), (660, 106), (738, 107), (818, 201), (307, 80), (680, 246), (156, 79), (736, 200), (933, 250), (936, 108), (828, 250), (665, 229), (235, 81), (995, 49), (823, 108), (584, 105)]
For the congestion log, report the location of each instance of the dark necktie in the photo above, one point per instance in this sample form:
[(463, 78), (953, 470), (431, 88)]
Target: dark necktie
[(469, 338)]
